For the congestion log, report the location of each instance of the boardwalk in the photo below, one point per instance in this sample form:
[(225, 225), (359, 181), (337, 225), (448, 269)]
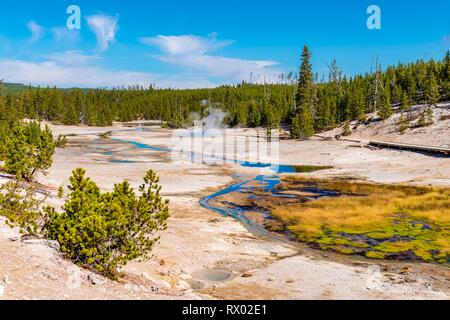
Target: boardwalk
[(398, 146), (410, 147)]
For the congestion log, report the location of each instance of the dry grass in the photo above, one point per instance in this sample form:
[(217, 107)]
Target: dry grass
[(371, 219)]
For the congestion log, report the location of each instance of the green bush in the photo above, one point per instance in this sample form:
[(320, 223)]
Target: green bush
[(347, 130), (426, 118), (27, 149), (102, 231), (20, 206), (61, 142), (4, 134), (403, 124)]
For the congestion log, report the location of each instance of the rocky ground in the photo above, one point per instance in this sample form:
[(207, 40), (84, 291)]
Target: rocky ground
[(435, 135), (204, 255)]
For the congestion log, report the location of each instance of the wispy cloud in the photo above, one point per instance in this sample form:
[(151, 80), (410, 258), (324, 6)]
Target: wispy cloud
[(105, 28), (186, 44), (193, 52), (72, 57), (37, 31), (62, 34)]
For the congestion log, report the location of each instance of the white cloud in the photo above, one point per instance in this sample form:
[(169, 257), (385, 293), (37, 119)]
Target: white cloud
[(186, 44), (105, 28), (37, 31), (228, 68), (192, 52), (53, 73)]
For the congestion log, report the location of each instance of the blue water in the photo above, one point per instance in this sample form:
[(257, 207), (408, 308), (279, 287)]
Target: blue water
[(122, 161), (248, 164), (263, 182), (143, 145), (237, 212)]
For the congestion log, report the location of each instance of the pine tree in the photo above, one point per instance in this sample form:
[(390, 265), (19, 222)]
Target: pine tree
[(28, 149), (303, 122), (446, 76), (385, 107), (302, 125), (405, 102), (254, 115), (432, 90), (271, 119)]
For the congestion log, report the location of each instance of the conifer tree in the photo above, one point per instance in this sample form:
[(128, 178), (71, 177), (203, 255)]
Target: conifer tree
[(271, 119), (385, 107), (303, 122), (445, 76), (432, 90), (28, 149), (405, 101)]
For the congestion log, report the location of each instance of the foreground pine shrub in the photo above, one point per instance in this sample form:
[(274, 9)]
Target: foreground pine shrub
[(20, 205), (102, 231), (27, 149)]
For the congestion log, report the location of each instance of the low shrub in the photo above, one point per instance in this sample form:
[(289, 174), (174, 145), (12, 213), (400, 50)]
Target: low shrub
[(61, 142), (347, 130), (19, 204), (103, 231), (426, 118)]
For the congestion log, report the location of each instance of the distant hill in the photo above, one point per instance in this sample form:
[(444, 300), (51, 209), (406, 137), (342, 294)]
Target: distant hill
[(17, 88), (13, 88)]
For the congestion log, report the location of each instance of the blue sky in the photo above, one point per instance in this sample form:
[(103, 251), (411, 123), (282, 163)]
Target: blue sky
[(207, 43)]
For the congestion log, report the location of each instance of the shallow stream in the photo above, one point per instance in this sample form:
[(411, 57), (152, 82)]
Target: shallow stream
[(267, 184)]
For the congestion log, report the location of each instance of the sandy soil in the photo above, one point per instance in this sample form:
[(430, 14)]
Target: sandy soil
[(200, 246)]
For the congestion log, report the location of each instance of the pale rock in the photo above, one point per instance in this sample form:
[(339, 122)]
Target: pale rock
[(183, 285), (164, 272), (165, 284), (5, 279), (146, 276), (74, 279), (48, 275), (185, 271), (43, 242), (132, 287), (95, 279)]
